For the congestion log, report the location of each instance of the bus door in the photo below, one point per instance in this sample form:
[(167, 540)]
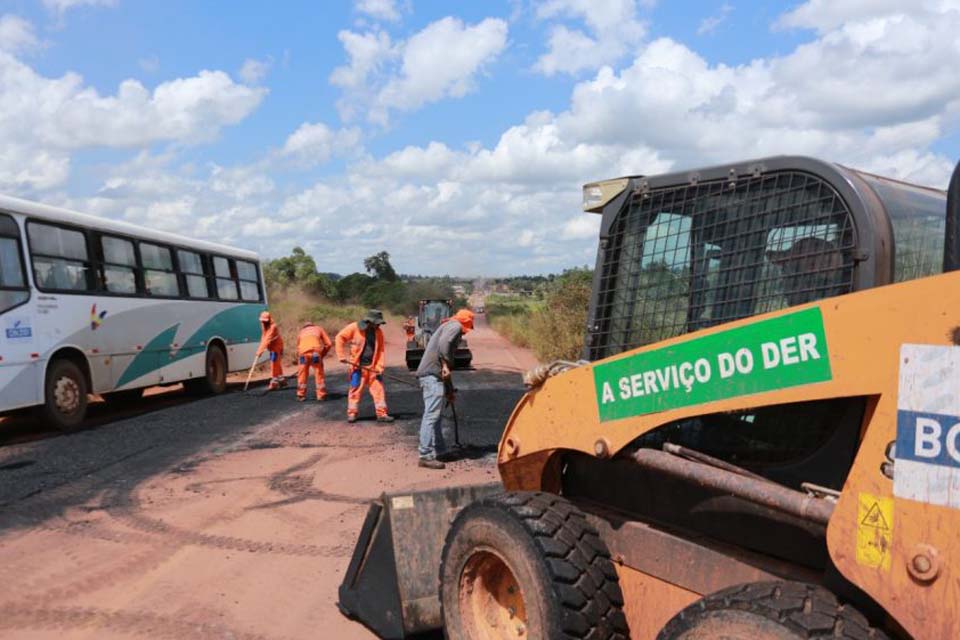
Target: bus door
[(19, 378)]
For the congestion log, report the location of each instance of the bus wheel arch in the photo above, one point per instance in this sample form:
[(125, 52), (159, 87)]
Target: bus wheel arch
[(67, 381)]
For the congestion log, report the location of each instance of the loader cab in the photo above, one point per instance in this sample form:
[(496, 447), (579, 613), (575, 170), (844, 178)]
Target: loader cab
[(686, 251)]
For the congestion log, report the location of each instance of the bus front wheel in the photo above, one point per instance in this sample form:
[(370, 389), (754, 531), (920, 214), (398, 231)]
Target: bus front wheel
[(214, 380), (65, 396)]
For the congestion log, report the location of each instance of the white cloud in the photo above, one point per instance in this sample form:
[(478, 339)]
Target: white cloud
[(379, 9), (440, 61), (710, 23), (613, 29), (43, 119), (253, 71), (62, 6), (315, 143), (826, 15), (16, 34)]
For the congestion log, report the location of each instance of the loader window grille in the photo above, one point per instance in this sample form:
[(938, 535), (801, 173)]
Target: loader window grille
[(684, 258)]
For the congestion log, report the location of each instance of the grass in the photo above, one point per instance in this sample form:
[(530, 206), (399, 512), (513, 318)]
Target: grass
[(290, 308)]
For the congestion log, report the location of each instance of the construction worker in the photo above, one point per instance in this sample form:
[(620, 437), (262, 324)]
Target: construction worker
[(367, 363), (410, 328), (436, 380), (313, 344), (270, 340)]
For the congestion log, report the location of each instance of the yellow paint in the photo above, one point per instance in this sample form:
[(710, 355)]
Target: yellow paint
[(874, 531)]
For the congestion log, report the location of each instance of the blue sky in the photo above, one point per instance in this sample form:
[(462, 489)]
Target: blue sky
[(455, 135)]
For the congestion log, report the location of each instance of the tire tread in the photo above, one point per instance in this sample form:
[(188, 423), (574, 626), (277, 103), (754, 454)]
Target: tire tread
[(810, 611)]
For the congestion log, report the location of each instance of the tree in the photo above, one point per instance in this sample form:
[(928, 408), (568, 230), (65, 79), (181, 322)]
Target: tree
[(298, 270), (378, 265)]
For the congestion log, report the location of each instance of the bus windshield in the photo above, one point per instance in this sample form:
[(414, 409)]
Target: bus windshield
[(13, 284), (918, 217)]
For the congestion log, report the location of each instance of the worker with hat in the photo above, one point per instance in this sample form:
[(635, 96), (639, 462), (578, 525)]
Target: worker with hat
[(367, 362), (436, 380), (313, 344), (272, 342)]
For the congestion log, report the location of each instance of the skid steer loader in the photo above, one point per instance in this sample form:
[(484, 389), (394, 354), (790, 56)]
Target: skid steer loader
[(429, 316), (764, 443)]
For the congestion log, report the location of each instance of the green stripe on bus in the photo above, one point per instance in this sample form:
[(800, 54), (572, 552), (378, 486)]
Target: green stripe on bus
[(236, 324)]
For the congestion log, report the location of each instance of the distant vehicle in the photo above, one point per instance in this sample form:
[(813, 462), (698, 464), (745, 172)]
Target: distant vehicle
[(429, 317), (90, 305), (478, 309)]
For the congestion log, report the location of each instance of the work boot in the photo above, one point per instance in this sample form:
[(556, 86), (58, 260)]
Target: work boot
[(273, 386), (385, 418), (301, 398), (321, 398), (351, 419), (431, 463)]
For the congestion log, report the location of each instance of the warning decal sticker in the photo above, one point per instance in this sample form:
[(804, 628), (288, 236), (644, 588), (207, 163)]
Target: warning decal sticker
[(928, 425), (874, 531)]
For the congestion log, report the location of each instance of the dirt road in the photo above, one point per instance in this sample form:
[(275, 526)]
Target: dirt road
[(228, 517)]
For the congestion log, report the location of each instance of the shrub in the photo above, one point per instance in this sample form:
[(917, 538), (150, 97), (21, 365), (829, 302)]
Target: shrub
[(555, 328)]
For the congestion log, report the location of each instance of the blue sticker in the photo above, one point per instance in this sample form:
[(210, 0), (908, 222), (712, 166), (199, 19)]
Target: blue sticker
[(930, 438)]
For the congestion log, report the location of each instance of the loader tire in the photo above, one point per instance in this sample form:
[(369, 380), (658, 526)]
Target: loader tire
[(774, 610), (528, 565)]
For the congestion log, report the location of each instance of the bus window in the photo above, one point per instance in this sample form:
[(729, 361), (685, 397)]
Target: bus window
[(60, 259), (13, 283), (191, 265), (119, 265), (249, 282), (158, 274), (226, 285)]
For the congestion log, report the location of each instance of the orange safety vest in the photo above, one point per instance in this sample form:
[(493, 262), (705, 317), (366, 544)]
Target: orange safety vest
[(313, 338), (356, 337), (271, 340)]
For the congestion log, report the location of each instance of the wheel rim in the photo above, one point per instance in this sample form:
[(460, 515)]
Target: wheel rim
[(66, 395), (491, 601)]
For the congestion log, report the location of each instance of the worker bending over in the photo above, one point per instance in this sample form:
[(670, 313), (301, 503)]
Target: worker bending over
[(366, 359), (436, 380), (313, 344), (271, 341)]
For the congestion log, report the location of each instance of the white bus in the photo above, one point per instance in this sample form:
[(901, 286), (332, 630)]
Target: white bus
[(90, 305)]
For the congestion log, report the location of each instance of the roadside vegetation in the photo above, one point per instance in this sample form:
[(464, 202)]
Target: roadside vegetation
[(298, 292), (550, 320)]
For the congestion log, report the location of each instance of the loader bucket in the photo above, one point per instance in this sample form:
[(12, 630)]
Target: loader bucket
[(392, 583)]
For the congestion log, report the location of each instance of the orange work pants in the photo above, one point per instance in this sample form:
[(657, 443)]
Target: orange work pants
[(276, 370), (305, 361), (359, 379)]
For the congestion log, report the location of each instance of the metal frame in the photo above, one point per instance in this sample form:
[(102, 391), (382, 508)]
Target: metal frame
[(873, 250)]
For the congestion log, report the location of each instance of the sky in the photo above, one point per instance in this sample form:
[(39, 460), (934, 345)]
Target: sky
[(455, 135)]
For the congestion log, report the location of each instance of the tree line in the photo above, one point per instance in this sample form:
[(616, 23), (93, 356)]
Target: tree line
[(380, 287)]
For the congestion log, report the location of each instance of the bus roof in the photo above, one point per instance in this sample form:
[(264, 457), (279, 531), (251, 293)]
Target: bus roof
[(9, 204)]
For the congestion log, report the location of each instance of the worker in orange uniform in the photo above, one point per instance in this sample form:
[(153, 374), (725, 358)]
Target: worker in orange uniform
[(270, 340), (313, 344), (367, 362), (410, 328)]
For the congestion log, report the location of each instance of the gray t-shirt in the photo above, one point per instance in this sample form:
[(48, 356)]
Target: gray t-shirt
[(443, 343)]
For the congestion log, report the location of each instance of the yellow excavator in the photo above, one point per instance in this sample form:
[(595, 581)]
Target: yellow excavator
[(761, 441)]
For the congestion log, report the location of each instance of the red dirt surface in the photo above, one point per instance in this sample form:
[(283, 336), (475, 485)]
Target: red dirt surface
[(247, 538)]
